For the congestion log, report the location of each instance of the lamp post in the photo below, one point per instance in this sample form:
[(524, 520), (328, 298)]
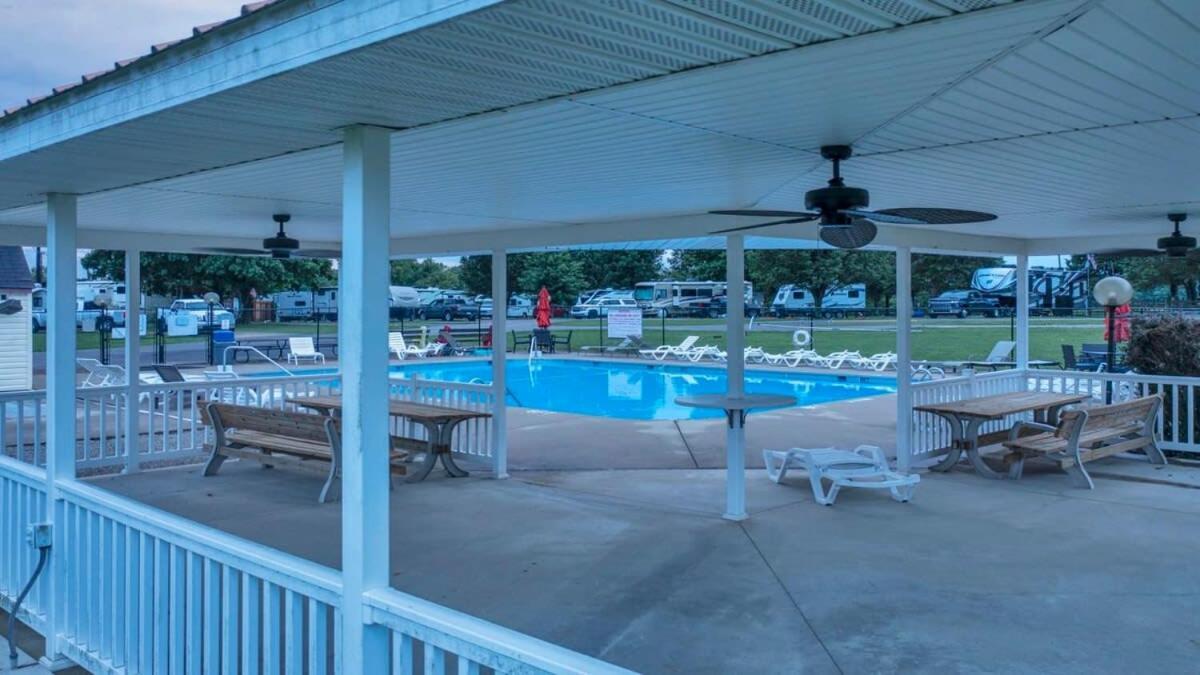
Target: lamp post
[(1111, 293), (213, 299), (103, 327)]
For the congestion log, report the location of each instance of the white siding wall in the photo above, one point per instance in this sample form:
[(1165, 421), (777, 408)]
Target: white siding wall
[(16, 344)]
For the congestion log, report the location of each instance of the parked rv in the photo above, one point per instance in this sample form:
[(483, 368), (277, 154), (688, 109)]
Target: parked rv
[(520, 307), (306, 305), (792, 300), (403, 301), (1051, 290), (682, 298)]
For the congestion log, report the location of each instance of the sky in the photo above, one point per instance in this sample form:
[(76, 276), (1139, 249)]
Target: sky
[(45, 43)]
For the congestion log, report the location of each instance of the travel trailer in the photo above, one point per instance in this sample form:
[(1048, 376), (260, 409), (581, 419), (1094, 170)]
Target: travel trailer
[(306, 305), (792, 300), (1050, 289)]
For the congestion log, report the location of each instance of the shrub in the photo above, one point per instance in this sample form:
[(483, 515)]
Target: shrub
[(1165, 345)]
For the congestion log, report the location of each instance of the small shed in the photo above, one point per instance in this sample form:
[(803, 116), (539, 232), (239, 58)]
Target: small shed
[(16, 320)]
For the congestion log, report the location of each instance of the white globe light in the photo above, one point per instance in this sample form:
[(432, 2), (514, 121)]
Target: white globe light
[(212, 298), (1113, 292)]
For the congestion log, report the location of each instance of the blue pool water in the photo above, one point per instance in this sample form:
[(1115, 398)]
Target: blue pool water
[(638, 391)]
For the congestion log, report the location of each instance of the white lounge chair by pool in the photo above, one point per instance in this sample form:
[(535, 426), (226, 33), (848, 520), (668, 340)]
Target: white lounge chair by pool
[(794, 358), (865, 467), (661, 352), (398, 346), (877, 362), (838, 359), (302, 348)]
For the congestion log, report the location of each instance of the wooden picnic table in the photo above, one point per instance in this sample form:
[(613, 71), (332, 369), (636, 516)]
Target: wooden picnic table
[(439, 421), (967, 415)]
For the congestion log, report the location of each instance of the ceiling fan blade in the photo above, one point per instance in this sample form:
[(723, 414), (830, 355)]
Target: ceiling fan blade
[(234, 251), (805, 219), (762, 214), (935, 216), (883, 217), (317, 253), (859, 233)]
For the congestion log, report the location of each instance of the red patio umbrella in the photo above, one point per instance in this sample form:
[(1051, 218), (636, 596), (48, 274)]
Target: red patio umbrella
[(542, 313), (1120, 324)]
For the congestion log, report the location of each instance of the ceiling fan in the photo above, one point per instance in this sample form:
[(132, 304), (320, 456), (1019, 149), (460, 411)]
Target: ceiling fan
[(1174, 245), (845, 222), (279, 246)]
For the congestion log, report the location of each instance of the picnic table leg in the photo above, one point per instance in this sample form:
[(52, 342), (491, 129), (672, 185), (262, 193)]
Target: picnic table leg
[(972, 447), (431, 454), (954, 452), (445, 434)]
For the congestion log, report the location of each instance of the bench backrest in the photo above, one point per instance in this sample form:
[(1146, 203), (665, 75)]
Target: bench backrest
[(1135, 414), (267, 420), (1130, 413)]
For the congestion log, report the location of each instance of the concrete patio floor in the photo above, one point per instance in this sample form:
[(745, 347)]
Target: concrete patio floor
[(634, 566)]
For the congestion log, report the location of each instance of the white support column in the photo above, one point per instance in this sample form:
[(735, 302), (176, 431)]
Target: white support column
[(735, 372), (499, 361), (133, 346), (60, 400), (366, 202), (904, 312), (1022, 336)]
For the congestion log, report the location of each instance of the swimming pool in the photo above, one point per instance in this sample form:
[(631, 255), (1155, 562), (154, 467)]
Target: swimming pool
[(638, 391)]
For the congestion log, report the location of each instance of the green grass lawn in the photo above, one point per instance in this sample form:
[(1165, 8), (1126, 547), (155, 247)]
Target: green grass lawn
[(934, 339)]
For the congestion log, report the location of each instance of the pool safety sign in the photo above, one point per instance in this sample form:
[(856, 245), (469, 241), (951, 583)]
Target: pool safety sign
[(623, 323)]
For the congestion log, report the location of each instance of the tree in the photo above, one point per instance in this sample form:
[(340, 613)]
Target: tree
[(619, 269), (877, 270), (697, 265), (188, 274), (560, 272), (475, 271), (427, 272), (933, 274), (819, 271)]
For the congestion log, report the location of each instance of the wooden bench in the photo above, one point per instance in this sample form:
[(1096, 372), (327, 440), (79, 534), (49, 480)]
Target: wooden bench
[(279, 438), (1086, 434)]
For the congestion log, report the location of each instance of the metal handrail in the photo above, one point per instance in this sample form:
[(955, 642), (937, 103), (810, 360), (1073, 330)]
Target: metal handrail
[(256, 350)]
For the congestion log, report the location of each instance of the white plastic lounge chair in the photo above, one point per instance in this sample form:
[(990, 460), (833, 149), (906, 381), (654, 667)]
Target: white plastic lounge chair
[(398, 346), (837, 359), (877, 362), (302, 348), (661, 352), (865, 467), (97, 373), (1001, 353), (794, 358)]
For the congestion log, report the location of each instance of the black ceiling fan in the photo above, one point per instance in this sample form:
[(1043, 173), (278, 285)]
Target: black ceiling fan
[(280, 246), (1174, 245), (845, 222)]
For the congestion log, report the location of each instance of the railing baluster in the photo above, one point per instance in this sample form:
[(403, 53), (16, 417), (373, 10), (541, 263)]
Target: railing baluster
[(251, 624), (229, 624), (293, 629)]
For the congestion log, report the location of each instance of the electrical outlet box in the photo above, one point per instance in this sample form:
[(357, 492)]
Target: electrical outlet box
[(38, 535)]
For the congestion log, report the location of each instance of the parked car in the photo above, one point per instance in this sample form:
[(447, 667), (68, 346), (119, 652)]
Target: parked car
[(963, 304), (449, 308), (199, 309), (719, 307), (486, 307), (601, 306)]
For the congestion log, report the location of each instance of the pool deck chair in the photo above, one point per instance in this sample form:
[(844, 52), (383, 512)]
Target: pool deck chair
[(663, 351), (398, 346), (302, 348), (1001, 354), (865, 467)]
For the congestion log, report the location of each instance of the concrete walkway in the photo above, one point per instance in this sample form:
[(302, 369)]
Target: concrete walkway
[(635, 567)]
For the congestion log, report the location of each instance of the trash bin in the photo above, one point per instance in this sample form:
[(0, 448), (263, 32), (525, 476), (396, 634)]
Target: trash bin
[(222, 339)]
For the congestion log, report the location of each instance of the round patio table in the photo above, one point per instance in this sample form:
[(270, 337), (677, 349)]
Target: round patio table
[(735, 408)]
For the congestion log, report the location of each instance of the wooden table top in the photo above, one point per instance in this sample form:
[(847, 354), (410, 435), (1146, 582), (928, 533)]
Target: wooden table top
[(416, 411), (1000, 405)]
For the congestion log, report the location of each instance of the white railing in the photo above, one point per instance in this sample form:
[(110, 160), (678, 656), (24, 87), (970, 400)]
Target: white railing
[(1177, 424), (930, 433), (22, 503), (143, 591), (169, 423), (430, 638), (472, 437)]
